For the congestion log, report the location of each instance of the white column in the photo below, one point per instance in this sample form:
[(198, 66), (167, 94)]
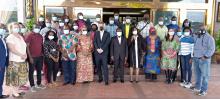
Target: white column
[(21, 10)]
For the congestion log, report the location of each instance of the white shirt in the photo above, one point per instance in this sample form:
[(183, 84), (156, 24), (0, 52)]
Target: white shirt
[(19, 45), (119, 40), (145, 31), (101, 34), (6, 54), (136, 51)]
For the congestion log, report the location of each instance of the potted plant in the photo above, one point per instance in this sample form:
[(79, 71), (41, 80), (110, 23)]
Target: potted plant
[(217, 53)]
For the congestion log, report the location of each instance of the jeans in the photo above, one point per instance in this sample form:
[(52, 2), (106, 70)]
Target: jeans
[(38, 64), (186, 67), (69, 71), (52, 69), (202, 73)]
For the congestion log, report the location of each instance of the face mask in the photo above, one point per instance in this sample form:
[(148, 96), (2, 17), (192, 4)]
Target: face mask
[(186, 24), (153, 33), (202, 31), (41, 19), (119, 34), (66, 20), (84, 32), (36, 30), (81, 17), (160, 22), (128, 21), (61, 24), (101, 28), (48, 25), (50, 37), (111, 22), (171, 33), (98, 19), (146, 18), (186, 33), (116, 17), (16, 30), (173, 22), (23, 30), (179, 33), (134, 32), (2, 31), (66, 31), (54, 18), (75, 27)]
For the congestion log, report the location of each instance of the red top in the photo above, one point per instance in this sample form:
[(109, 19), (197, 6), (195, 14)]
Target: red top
[(35, 42)]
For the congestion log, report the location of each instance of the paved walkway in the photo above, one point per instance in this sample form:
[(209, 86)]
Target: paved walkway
[(142, 90)]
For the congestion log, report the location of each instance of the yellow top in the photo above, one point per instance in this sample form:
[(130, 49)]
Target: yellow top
[(127, 29)]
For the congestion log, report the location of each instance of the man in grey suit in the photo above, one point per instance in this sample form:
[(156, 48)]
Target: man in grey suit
[(101, 43), (119, 54)]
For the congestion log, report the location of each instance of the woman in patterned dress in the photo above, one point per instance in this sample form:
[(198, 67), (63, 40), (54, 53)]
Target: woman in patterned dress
[(17, 71), (170, 49), (84, 55), (152, 64)]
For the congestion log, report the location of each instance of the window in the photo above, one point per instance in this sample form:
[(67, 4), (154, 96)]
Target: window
[(59, 11), (186, 1), (197, 17), (8, 14), (167, 15)]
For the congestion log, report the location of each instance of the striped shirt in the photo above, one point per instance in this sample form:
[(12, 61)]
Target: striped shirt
[(186, 46)]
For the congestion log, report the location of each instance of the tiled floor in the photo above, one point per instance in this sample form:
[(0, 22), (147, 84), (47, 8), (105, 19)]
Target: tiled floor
[(142, 90)]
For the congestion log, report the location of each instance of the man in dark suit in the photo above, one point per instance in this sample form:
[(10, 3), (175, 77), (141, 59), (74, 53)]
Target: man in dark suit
[(3, 60), (119, 54), (101, 43)]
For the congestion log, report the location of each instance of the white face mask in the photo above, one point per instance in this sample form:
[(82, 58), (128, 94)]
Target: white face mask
[(98, 19), (16, 30), (186, 33), (116, 17), (66, 20), (173, 22), (66, 31), (61, 24), (134, 32), (80, 17), (48, 24), (160, 22), (50, 37), (2, 31), (54, 18), (36, 30), (171, 33), (111, 22), (179, 33), (41, 19), (23, 30), (128, 20), (119, 34), (75, 27), (84, 32)]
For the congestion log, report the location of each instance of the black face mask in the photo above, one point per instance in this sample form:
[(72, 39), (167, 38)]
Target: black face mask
[(94, 29), (101, 28), (201, 32)]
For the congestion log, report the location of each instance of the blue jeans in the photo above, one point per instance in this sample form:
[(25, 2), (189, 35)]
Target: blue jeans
[(186, 67), (202, 73), (69, 71)]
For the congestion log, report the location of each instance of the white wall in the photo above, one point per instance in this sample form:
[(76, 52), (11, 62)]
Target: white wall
[(21, 10)]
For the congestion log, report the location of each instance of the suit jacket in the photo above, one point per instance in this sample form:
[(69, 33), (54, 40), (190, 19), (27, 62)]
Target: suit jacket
[(119, 51), (103, 44), (4, 58)]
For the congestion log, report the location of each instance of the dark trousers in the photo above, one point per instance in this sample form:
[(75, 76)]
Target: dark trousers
[(38, 64), (69, 71), (2, 72), (118, 69), (52, 69), (186, 67), (102, 66)]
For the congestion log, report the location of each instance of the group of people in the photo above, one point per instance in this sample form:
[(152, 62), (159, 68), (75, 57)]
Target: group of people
[(80, 49)]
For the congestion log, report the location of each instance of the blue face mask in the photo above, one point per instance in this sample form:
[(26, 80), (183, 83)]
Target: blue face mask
[(179, 33)]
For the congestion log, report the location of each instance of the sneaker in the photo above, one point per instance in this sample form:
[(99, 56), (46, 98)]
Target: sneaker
[(41, 86), (58, 74), (202, 93), (33, 89), (194, 89), (188, 85), (183, 84)]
